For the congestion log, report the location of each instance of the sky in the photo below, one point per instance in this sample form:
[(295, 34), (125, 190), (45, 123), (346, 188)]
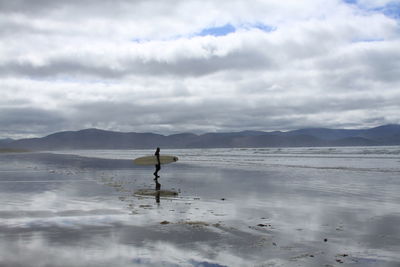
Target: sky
[(197, 66)]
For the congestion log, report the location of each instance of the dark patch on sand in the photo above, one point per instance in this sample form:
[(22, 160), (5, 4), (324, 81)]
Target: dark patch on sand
[(153, 192)]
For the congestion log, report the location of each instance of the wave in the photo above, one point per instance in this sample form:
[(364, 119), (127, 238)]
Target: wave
[(376, 159)]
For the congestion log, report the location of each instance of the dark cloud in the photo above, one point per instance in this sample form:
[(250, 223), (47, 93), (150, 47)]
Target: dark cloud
[(43, 7), (23, 6), (30, 120), (370, 62), (58, 68), (223, 113), (238, 60)]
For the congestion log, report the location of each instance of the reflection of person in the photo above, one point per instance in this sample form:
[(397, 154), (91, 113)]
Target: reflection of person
[(158, 165), (158, 188)]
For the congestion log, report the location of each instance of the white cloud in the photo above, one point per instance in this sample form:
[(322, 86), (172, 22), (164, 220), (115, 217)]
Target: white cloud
[(140, 66)]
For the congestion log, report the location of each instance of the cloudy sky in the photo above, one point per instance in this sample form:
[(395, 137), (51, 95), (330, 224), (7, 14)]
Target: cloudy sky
[(197, 66)]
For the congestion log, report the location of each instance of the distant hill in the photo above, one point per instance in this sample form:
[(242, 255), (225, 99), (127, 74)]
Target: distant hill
[(5, 141), (100, 139)]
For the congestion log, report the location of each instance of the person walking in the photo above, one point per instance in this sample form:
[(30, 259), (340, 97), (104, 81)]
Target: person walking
[(158, 165)]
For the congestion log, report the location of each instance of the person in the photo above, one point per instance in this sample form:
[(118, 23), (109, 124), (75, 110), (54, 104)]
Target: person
[(158, 165)]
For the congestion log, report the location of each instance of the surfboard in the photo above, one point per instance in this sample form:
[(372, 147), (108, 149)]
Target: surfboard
[(152, 160)]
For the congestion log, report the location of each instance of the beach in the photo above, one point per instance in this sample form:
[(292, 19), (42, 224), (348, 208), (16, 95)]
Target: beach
[(216, 207)]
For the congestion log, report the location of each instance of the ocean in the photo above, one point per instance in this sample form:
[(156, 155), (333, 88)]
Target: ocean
[(381, 159), (325, 206)]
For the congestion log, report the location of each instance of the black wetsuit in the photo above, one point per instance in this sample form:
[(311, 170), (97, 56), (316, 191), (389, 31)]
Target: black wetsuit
[(158, 165)]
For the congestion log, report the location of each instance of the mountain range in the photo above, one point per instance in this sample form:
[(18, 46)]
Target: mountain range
[(101, 139)]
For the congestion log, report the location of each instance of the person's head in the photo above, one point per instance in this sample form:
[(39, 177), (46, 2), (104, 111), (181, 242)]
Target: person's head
[(158, 149)]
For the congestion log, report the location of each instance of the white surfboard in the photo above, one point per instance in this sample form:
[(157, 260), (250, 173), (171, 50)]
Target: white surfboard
[(152, 160)]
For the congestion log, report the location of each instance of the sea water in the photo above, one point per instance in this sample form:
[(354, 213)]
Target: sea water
[(378, 159), (235, 207)]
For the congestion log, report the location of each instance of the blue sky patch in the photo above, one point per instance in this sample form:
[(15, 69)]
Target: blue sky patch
[(263, 27), (218, 31), (392, 10), (229, 28)]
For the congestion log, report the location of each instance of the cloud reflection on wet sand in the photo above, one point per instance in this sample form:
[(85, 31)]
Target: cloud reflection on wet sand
[(65, 213)]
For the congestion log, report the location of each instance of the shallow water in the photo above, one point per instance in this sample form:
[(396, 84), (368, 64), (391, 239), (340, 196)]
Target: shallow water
[(382, 158), (234, 207)]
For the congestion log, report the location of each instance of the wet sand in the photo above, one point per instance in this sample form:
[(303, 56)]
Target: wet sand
[(65, 210)]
